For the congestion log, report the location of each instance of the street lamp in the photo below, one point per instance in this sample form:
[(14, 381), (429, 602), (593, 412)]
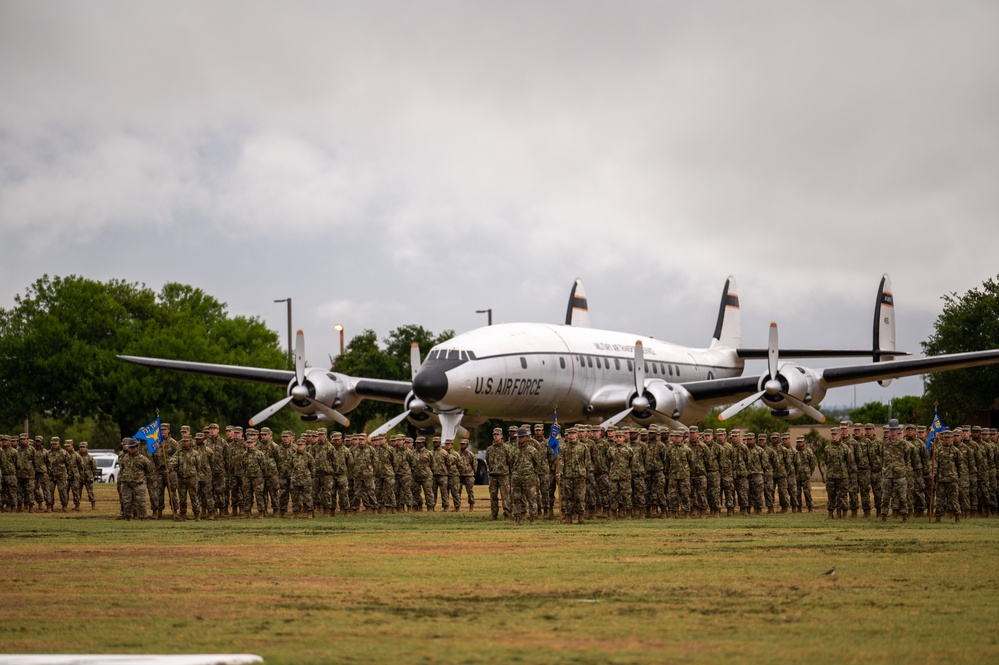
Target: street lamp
[(291, 353), (339, 328), (486, 311)]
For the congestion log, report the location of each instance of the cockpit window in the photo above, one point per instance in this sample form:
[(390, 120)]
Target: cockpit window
[(452, 354)]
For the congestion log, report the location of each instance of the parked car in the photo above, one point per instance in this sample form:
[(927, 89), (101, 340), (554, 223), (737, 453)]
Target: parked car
[(107, 468)]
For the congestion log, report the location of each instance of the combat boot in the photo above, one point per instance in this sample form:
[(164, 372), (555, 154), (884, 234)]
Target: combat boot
[(76, 508), (495, 517), (830, 515), (938, 519), (731, 512), (867, 514), (957, 518), (533, 521), (884, 517), (580, 520), (853, 512), (197, 517), (770, 510), (905, 519), (566, 518)]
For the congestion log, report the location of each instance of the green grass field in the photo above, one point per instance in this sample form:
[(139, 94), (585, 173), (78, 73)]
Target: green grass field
[(441, 588)]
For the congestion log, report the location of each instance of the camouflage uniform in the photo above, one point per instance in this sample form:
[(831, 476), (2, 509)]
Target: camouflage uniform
[(945, 479), (740, 457), (712, 468), (678, 469), (726, 467), (790, 468), (655, 464), (756, 460), (466, 473), (254, 468), (524, 467), (837, 475), (619, 473), (341, 462), (135, 470), (545, 473), (364, 477), (301, 467), (43, 488), (75, 466), (322, 479), (206, 471), (8, 467), (862, 458), (58, 474), (573, 467), (805, 464), (438, 466), (453, 477), (894, 475), (423, 477), (639, 489), (769, 475), (187, 465), (25, 476), (498, 460)]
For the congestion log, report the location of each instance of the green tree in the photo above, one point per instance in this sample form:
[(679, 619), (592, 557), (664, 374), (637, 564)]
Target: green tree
[(58, 348), (968, 323)]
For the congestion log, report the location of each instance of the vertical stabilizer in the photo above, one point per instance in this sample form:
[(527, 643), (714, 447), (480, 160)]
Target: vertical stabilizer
[(884, 324), (728, 328), (577, 314)]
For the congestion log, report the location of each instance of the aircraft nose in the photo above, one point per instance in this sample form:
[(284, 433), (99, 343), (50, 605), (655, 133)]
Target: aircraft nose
[(430, 384)]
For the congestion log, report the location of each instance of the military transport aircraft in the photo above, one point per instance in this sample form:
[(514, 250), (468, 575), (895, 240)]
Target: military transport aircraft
[(523, 371)]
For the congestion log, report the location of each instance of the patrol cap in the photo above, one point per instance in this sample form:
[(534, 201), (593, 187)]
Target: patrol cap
[(164, 425), (423, 439), (54, 439), (538, 426), (300, 442), (250, 431), (511, 428), (523, 431), (800, 439), (834, 430), (183, 428), (237, 428), (947, 434), (692, 428), (287, 432), (612, 429), (322, 430), (38, 438), (265, 430), (774, 435), (976, 428), (213, 425), (761, 437), (869, 426), (68, 443), (449, 442), (336, 435), (436, 439), (721, 430), (199, 438), (910, 426), (24, 436), (229, 428), (572, 430), (498, 430), (785, 435)]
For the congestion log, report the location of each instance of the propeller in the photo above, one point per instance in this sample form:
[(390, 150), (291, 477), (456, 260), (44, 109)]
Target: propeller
[(772, 387), (414, 405), (640, 403), (299, 392)]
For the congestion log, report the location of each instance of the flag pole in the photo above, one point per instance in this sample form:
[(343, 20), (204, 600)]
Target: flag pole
[(166, 469), (933, 458)]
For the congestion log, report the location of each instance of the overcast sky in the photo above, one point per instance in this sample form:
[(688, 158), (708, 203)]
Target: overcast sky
[(388, 163)]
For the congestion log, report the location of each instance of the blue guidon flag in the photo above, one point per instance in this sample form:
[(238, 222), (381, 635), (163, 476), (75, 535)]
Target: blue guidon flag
[(935, 427), (151, 435), (553, 435)]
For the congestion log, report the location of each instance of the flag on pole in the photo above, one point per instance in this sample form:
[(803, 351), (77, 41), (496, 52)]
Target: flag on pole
[(151, 435), (935, 426), (553, 435)]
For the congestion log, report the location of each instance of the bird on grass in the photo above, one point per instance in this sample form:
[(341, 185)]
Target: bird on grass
[(831, 572)]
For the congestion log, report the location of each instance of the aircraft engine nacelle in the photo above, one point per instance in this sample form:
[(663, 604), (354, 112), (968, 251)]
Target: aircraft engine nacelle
[(323, 387), (663, 398), (799, 382)]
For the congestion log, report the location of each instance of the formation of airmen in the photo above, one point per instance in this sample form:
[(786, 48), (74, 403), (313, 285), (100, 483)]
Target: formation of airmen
[(32, 476), (956, 475), (614, 472)]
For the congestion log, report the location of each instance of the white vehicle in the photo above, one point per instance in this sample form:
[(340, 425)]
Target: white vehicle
[(107, 468)]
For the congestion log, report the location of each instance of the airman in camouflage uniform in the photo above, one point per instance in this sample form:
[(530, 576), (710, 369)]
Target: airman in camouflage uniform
[(8, 467), (837, 474), (895, 474), (302, 466), (712, 468), (862, 458), (805, 465), (254, 468), (43, 487), (601, 471), (545, 473), (790, 467), (466, 473), (453, 477), (438, 466), (58, 474), (135, 471), (698, 474), (756, 461), (341, 463), (573, 467), (384, 474), (678, 469), (740, 471), (423, 475), (237, 450), (272, 479), (944, 477), (498, 461), (322, 479), (25, 475), (619, 472), (206, 471), (875, 454), (726, 467), (187, 465), (639, 448), (75, 467), (656, 468), (524, 467), (364, 475)]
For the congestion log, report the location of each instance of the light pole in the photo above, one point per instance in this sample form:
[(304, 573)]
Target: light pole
[(486, 311), (291, 353), (339, 328)]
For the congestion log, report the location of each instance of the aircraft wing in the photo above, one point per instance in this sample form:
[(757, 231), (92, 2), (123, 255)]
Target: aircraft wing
[(274, 377), (717, 392)]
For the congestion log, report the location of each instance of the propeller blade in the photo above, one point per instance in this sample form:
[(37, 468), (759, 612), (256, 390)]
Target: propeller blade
[(390, 424), (332, 414), (810, 410), (414, 359), (269, 411), (300, 357), (672, 422), (615, 419), (739, 406), (639, 368), (772, 352)]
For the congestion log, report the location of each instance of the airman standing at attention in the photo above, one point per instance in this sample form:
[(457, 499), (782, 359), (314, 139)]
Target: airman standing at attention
[(805, 465), (187, 465), (135, 471), (837, 474), (88, 467), (756, 461), (438, 466), (656, 468), (639, 448), (619, 471), (546, 474), (384, 474), (524, 468), (944, 478), (322, 479), (453, 476), (466, 473), (498, 461), (302, 466), (862, 457), (254, 468), (206, 470), (698, 474), (43, 488), (75, 466), (364, 474), (712, 467), (235, 470), (678, 468), (852, 482), (726, 467), (769, 473), (739, 465), (8, 468), (58, 474), (601, 470), (895, 474), (917, 492), (272, 481), (573, 464), (25, 475), (217, 445), (341, 463)]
